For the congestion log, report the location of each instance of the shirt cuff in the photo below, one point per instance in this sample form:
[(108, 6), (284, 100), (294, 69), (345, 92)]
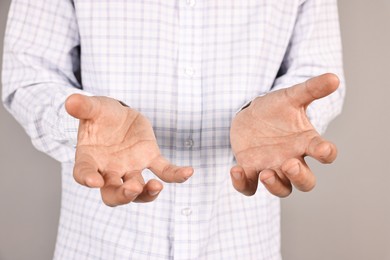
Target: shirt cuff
[(247, 104), (65, 129)]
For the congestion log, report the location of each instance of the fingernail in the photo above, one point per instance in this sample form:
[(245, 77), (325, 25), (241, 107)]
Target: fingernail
[(153, 192), (271, 180), (237, 175), (294, 170), (188, 174)]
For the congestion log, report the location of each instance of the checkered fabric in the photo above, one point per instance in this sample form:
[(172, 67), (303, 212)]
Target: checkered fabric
[(187, 65)]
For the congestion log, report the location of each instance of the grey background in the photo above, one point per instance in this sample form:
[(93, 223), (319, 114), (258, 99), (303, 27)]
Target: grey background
[(347, 216)]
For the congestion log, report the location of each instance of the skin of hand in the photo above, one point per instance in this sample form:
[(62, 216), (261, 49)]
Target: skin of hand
[(271, 137), (114, 144)]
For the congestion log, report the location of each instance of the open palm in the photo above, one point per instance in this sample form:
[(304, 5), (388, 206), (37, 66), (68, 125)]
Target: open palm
[(272, 136), (115, 143)]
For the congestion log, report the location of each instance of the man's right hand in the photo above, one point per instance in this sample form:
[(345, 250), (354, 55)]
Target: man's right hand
[(115, 143)]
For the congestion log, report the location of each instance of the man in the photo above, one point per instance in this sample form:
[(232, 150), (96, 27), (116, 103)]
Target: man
[(120, 92)]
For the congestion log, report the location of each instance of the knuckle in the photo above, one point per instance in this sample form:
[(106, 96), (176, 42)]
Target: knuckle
[(137, 189), (166, 171)]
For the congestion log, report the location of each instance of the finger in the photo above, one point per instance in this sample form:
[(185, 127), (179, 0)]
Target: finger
[(315, 88), (275, 184), (82, 107), (244, 180), (86, 173), (299, 174), (169, 172), (116, 192), (150, 192), (322, 150)]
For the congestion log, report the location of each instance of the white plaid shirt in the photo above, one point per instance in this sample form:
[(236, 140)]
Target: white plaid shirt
[(188, 65)]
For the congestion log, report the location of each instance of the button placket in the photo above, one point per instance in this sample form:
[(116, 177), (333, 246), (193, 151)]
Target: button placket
[(189, 106)]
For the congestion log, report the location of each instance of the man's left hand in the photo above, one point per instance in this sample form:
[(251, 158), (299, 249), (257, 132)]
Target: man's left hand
[(272, 136)]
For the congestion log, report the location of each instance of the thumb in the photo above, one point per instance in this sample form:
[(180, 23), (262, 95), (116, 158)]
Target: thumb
[(315, 88), (82, 107), (169, 172)]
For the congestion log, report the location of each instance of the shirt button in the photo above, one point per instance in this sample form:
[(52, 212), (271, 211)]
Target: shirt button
[(186, 212), (188, 143), (190, 72), (191, 3)]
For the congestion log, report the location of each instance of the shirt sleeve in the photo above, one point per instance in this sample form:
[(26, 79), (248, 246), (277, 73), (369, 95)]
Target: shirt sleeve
[(315, 48), (41, 65)]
